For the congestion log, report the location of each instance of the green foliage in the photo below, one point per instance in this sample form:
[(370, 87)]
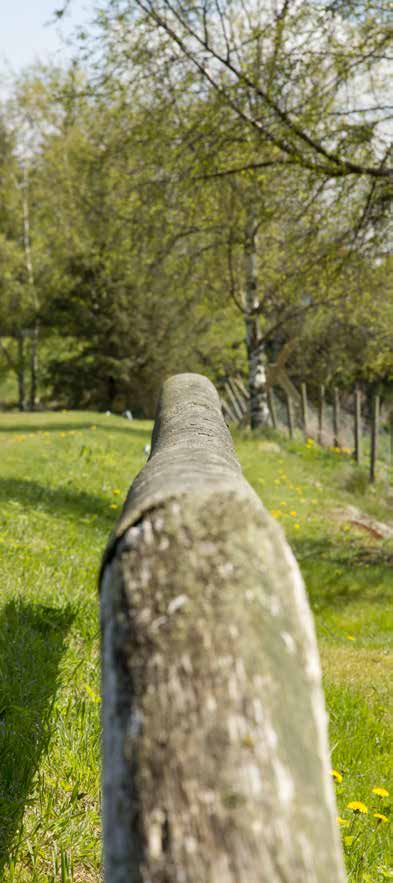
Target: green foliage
[(128, 181)]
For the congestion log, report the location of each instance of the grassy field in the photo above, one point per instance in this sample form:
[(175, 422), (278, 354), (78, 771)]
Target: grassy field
[(62, 479)]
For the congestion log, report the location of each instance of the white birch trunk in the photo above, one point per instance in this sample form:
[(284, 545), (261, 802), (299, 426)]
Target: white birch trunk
[(259, 405)]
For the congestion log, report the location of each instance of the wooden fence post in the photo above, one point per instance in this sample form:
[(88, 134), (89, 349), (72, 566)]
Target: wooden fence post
[(227, 412), (321, 413), (336, 418), (358, 426), (374, 437), (303, 390), (234, 403), (243, 404), (291, 428), (272, 407), (216, 764), (391, 435)]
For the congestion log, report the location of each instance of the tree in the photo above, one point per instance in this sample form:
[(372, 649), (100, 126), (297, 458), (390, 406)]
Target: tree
[(267, 98), (117, 275)]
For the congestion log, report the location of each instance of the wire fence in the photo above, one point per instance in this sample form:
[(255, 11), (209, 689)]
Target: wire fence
[(351, 422)]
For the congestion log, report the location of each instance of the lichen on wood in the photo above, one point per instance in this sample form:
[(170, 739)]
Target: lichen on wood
[(216, 765)]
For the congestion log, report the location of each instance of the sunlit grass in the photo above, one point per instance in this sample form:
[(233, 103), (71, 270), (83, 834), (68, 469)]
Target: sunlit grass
[(349, 578), (62, 480)]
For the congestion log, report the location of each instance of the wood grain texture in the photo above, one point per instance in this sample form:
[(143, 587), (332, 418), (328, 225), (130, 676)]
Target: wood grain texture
[(216, 764)]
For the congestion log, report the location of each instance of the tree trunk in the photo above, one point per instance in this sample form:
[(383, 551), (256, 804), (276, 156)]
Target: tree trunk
[(34, 367), (259, 405), (21, 372), (357, 426), (216, 764)]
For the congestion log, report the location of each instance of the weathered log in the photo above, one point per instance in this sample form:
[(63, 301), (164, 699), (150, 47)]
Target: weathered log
[(216, 762)]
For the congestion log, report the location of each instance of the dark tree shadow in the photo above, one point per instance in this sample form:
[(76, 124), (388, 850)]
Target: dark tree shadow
[(61, 501), (337, 574), (27, 428), (32, 642)]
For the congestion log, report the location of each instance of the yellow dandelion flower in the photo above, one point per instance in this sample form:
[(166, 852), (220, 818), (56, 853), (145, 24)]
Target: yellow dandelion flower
[(113, 506), (296, 526), (357, 806), (336, 775), (342, 822), (293, 513), (380, 816), (116, 492), (348, 841), (382, 792), (350, 638)]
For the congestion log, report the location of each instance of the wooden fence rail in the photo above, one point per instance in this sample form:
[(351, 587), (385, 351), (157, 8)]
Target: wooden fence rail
[(216, 763)]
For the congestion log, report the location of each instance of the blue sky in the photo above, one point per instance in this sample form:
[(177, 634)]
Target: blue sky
[(25, 35)]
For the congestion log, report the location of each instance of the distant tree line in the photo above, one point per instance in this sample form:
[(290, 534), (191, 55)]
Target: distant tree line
[(195, 192)]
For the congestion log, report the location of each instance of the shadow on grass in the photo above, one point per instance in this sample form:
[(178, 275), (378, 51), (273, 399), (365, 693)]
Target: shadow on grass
[(61, 501), (27, 428), (32, 642), (337, 574)]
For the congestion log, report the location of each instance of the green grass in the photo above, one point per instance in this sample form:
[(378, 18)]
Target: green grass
[(62, 479), (349, 578)]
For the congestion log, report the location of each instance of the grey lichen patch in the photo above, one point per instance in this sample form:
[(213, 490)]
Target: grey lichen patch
[(228, 754)]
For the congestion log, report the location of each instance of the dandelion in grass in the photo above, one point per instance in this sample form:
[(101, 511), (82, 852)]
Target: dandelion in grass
[(348, 841), (116, 492), (113, 506), (336, 775), (357, 806), (342, 822), (351, 638), (293, 513), (381, 792), (296, 526), (380, 817)]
